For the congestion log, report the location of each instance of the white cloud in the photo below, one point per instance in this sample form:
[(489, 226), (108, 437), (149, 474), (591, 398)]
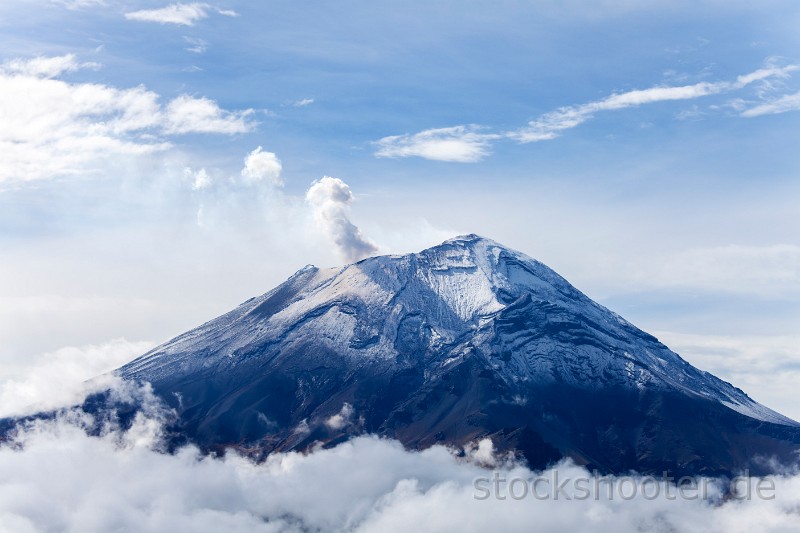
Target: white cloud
[(462, 144), (180, 14), (772, 270), (51, 127), (200, 179), (186, 114), (59, 479), (341, 419), (59, 378), (79, 4), (330, 200), (550, 125), (196, 45), (763, 74), (786, 103), (261, 166), (483, 453), (303, 102), (466, 143), (44, 67), (689, 114)]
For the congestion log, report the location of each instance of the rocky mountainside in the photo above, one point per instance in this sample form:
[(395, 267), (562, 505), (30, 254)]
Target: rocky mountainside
[(461, 341)]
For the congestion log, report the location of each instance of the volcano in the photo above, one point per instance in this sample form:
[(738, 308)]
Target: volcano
[(463, 341)]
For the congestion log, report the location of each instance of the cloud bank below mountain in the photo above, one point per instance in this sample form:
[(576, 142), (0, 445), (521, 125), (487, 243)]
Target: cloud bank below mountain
[(57, 477)]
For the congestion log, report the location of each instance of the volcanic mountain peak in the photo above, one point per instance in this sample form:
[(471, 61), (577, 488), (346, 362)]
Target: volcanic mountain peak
[(461, 340), (360, 309)]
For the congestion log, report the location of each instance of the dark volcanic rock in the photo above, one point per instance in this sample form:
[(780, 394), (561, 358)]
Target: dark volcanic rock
[(459, 342)]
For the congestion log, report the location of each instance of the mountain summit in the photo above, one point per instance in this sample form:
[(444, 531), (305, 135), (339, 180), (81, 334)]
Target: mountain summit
[(462, 341)]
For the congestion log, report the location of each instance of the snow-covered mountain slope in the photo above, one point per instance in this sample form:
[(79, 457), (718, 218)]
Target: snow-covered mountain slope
[(461, 340)]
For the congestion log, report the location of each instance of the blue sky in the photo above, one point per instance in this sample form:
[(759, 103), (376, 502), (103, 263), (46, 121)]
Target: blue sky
[(648, 154)]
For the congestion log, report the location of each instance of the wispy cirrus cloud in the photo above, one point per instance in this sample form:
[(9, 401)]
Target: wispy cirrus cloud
[(180, 14), (462, 144), (52, 127), (784, 104), (472, 143), (302, 102), (196, 45), (550, 125), (79, 4)]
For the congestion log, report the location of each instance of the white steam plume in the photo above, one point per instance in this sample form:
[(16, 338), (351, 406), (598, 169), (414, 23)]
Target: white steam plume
[(330, 200)]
